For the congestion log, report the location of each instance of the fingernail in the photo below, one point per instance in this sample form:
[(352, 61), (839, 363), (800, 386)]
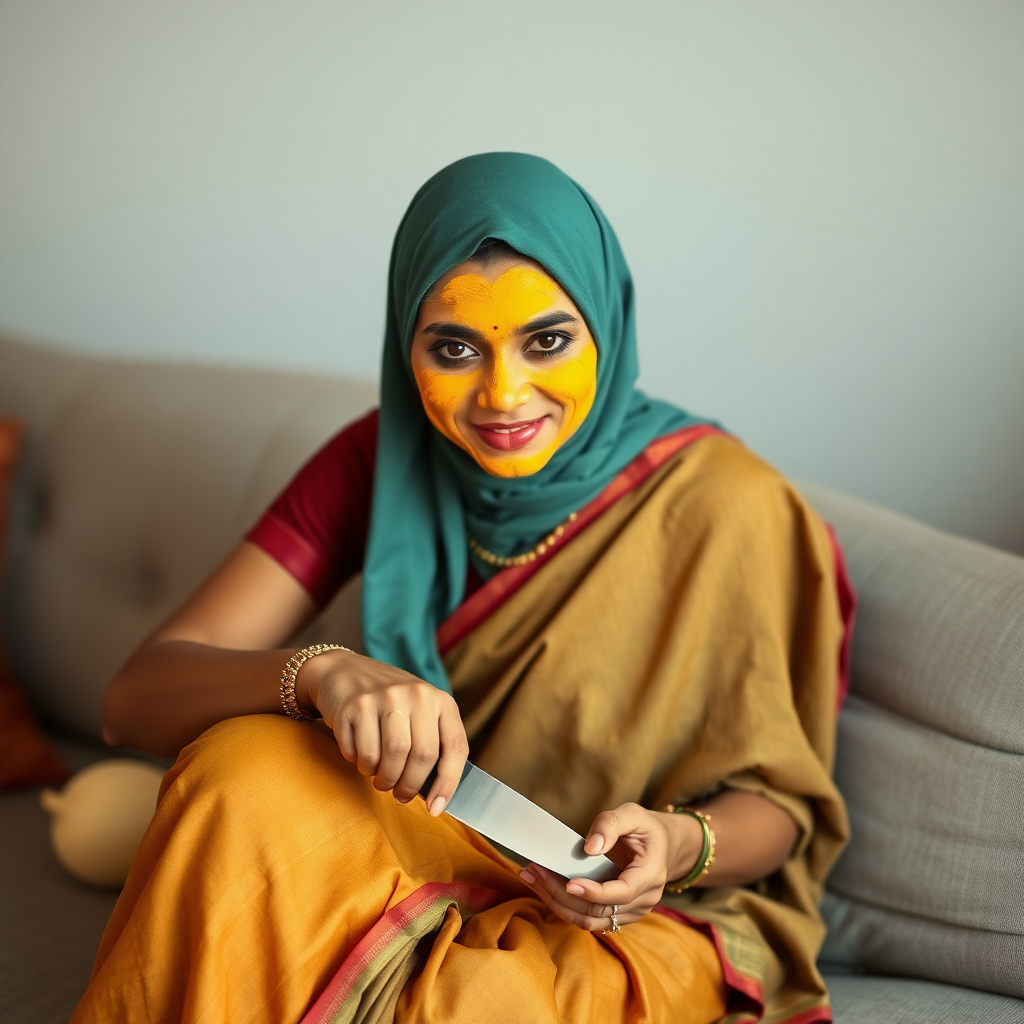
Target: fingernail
[(595, 844), (402, 799), (526, 876), (576, 890), (438, 805)]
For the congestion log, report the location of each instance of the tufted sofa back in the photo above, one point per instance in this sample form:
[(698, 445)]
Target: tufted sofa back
[(930, 755), (138, 478)]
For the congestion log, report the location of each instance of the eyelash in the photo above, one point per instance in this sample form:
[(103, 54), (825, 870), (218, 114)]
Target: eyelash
[(447, 361), (567, 340), (451, 363)]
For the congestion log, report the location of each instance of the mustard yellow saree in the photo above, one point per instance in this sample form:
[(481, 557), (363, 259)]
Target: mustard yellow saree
[(686, 637)]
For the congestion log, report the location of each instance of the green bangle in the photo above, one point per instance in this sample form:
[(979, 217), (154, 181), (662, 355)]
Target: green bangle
[(707, 849)]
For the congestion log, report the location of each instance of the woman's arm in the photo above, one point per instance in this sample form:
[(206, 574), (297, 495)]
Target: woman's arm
[(219, 656), (215, 658), (754, 837)]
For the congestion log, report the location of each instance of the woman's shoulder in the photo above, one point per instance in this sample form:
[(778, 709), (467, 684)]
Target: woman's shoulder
[(317, 526), (356, 440), (336, 476), (720, 478), (720, 462)]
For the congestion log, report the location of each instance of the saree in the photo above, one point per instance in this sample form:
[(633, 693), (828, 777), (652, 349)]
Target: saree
[(686, 638)]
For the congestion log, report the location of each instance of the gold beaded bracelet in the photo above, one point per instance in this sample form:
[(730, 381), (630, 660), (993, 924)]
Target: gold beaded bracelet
[(707, 849), (292, 708)]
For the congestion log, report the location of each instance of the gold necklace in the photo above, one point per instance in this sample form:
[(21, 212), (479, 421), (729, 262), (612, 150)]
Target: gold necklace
[(504, 561)]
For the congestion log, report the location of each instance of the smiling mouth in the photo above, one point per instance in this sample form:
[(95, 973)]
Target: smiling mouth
[(509, 437)]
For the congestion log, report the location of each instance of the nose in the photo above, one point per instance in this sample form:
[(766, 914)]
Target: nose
[(506, 387)]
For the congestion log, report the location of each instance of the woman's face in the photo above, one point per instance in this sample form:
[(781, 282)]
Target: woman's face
[(505, 364)]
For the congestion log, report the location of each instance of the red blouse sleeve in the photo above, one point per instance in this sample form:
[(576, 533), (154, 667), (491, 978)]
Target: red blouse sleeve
[(317, 526)]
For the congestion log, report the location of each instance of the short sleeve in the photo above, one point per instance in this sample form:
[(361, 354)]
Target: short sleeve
[(317, 526)]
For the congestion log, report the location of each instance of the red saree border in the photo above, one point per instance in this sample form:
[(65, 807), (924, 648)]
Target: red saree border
[(748, 987), (469, 899), (848, 611), (504, 584), (815, 1015)]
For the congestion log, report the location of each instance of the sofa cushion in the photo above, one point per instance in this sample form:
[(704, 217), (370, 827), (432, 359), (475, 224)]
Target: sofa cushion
[(141, 478), (873, 1000), (940, 632), (930, 756)]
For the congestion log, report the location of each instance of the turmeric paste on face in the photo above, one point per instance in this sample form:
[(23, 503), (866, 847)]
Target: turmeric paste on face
[(505, 375)]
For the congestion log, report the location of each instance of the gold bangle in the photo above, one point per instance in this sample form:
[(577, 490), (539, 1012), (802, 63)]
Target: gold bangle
[(707, 849), (289, 702)]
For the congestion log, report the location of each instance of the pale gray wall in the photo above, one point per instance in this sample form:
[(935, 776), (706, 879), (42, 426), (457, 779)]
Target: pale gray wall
[(823, 203)]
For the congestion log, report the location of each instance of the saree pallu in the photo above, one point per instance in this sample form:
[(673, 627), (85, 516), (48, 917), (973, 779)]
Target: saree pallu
[(686, 640), (691, 638)]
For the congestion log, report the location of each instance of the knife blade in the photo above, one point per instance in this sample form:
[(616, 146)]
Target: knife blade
[(512, 821)]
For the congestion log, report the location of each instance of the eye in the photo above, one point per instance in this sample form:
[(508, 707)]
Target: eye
[(453, 353), (549, 343)]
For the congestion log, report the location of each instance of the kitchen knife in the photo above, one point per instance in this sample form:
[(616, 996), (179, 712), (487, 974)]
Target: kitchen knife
[(510, 820)]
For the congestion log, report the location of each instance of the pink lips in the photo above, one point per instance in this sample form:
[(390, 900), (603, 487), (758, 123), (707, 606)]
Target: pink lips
[(509, 437)]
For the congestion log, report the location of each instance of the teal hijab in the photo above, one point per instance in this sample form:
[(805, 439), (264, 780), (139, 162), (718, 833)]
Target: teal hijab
[(427, 492)]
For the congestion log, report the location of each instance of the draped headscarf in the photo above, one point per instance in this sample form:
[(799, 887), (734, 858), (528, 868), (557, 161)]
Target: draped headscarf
[(428, 493)]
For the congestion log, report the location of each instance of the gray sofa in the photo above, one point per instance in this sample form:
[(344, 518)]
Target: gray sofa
[(139, 477)]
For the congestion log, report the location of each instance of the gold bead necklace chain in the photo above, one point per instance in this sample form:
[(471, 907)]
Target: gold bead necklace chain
[(504, 561)]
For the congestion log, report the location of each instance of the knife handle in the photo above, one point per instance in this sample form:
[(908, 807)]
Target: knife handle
[(429, 781)]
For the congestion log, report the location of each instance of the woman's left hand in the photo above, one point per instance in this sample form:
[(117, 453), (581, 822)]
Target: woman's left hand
[(638, 841)]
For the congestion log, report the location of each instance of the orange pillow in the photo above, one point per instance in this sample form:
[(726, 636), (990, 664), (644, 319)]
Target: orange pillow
[(26, 758)]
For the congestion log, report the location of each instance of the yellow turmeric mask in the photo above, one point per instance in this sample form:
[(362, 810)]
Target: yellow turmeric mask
[(505, 364)]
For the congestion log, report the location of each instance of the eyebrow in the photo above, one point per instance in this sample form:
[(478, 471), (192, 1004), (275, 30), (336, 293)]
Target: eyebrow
[(540, 323), (450, 330), (553, 319)]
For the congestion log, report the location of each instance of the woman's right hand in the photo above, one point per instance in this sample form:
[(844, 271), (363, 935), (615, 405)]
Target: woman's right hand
[(388, 723)]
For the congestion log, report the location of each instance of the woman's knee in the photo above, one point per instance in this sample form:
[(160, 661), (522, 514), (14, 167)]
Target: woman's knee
[(252, 753), (255, 779)]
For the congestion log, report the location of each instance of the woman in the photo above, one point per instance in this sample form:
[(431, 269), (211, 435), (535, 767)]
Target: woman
[(615, 607)]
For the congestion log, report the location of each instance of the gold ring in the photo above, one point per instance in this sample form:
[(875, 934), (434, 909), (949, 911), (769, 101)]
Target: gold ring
[(615, 921)]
